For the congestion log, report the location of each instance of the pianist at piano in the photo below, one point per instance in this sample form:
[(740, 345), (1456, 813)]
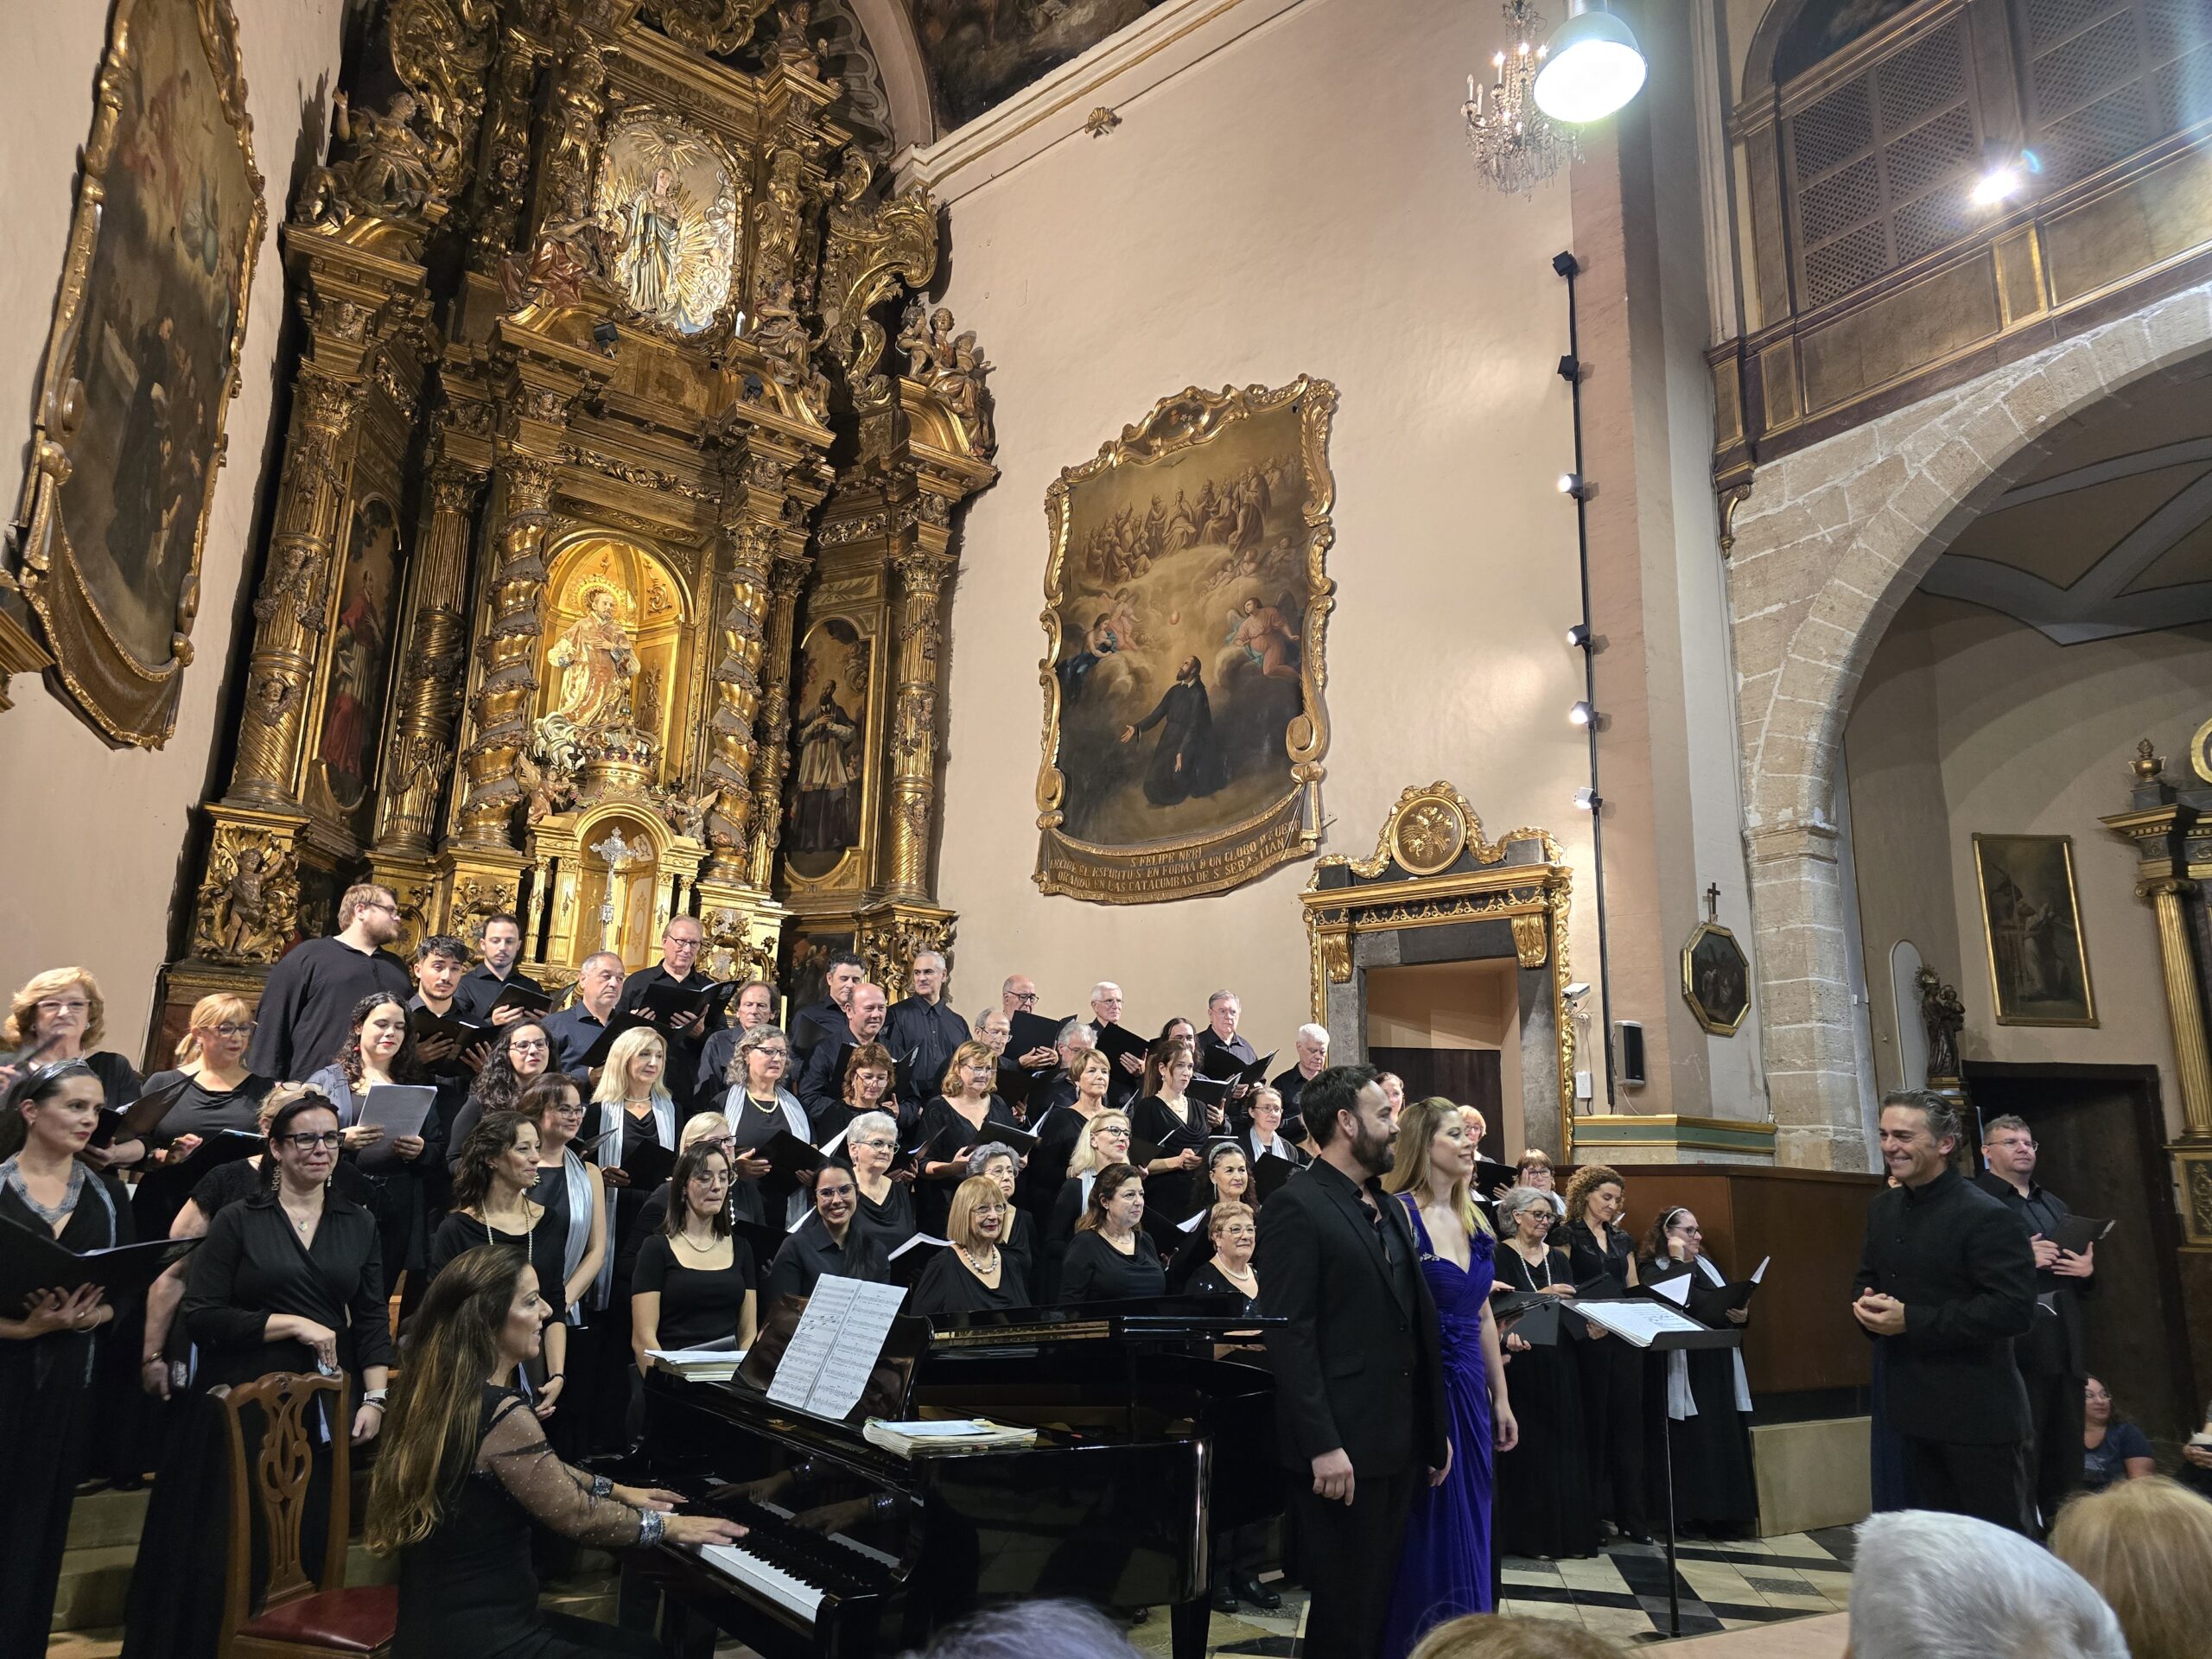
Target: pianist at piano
[(466, 1470)]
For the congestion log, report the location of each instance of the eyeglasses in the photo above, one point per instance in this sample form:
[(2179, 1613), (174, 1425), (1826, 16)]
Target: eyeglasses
[(683, 944), (305, 1143), (820, 1193), (1025, 998), (521, 1046), (876, 1142), (235, 1031), (379, 903), (64, 1004)]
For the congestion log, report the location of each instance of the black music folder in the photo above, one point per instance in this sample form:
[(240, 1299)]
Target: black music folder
[(2076, 1233), (630, 1019), (1026, 1031), (1115, 1041), (667, 1001), (1532, 1316), (516, 995), (135, 1121), (906, 1264), (1489, 1177), (225, 1147), (1269, 1174), (789, 1156), (1020, 1140), (426, 1026), (1237, 1076), (648, 1165), (1210, 1092), (31, 1262)]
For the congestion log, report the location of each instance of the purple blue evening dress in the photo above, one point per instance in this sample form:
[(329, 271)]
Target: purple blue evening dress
[(1444, 1570)]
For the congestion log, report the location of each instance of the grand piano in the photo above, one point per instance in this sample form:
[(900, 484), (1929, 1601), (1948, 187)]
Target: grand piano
[(1148, 1446)]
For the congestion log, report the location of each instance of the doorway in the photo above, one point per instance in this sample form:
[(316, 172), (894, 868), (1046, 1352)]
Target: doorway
[(2101, 1135), (1454, 1028)]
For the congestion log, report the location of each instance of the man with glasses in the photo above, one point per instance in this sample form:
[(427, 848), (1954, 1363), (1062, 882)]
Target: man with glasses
[(832, 1241), (681, 941), (921, 1034), (754, 1005), (480, 987), (303, 1020), (2052, 1362), (1019, 995)]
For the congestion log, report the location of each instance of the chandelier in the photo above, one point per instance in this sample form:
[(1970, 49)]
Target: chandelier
[(1517, 146)]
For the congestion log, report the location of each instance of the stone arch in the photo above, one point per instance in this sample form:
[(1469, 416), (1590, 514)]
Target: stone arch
[(1831, 540)]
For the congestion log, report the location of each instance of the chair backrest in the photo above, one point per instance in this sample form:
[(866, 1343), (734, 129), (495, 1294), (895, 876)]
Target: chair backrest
[(272, 1477)]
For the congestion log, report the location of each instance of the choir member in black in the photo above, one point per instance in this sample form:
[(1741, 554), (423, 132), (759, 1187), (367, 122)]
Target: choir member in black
[(1105, 1142), (754, 1005), (1076, 1039), (1110, 1259), (1221, 1049), (1709, 1397), (757, 1107), (681, 941), (1535, 1170), (481, 986), (1544, 1507), (1128, 1070), (46, 1347), (829, 1241), (1229, 1180), (1061, 1130), (633, 1109), (1171, 1121), (1003, 1164), (218, 1094), (954, 1121), (974, 1275), (492, 1206), (575, 1029), (1232, 1231), (694, 1282), (61, 1012), (379, 1048), (1263, 1134), (1603, 1255), (307, 1008), (466, 1469), (700, 1128), (440, 960), (1312, 1044), (1019, 995), (821, 1084), (574, 1199), (520, 1054), (924, 1031), (827, 1020), (866, 1087), (886, 1201), (290, 1279)]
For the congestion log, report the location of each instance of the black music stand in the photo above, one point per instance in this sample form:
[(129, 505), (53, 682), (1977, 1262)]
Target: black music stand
[(1667, 1342)]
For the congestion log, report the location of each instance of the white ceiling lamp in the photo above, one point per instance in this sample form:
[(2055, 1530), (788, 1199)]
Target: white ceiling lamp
[(1593, 67)]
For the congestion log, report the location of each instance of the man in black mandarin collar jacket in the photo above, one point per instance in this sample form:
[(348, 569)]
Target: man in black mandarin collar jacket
[(1360, 1410), (1945, 1281)]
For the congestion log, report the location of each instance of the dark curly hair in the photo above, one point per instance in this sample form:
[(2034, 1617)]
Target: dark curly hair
[(405, 1068), (495, 1133), (498, 1086)]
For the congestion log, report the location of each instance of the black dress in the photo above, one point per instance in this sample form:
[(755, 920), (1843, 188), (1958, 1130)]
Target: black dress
[(1543, 1506), (940, 1118), (46, 1409), (545, 1244), (891, 1221), (1208, 1280), (1613, 1404), (199, 1110), (947, 1286), (469, 1588), (1059, 1133), (1170, 1197), (1715, 1492), (698, 1305), (1094, 1271)]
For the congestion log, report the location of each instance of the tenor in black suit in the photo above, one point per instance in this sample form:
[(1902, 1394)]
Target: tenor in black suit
[(1358, 1374)]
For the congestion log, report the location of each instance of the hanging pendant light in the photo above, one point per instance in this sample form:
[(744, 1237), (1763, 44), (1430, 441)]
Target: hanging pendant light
[(1594, 65)]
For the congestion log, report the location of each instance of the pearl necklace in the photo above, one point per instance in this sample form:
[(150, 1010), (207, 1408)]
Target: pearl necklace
[(977, 1268)]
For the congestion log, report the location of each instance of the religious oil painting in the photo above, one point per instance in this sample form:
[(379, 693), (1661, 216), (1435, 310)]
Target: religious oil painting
[(360, 656), (2031, 922), (980, 52), (1186, 597), (823, 818), (1716, 979), (141, 364), (669, 197)]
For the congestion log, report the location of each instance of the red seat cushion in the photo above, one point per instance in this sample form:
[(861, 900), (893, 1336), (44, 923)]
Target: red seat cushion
[(357, 1620)]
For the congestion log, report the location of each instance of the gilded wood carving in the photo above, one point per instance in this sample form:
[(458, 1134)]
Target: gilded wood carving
[(1186, 598), (141, 363)]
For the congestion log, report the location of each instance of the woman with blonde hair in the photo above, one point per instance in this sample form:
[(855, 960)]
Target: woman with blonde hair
[(964, 1115), (2147, 1545), (1444, 1565), (1060, 1133), (215, 1093), (63, 1014), (1603, 1255), (465, 1471), (975, 1276), (1105, 1141)]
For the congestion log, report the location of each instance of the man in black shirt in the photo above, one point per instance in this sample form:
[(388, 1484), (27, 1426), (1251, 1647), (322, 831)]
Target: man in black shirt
[(830, 1240), (826, 1021), (2053, 1364), (440, 960), (821, 1080), (1313, 1044), (681, 942), (1946, 1282), (1128, 1070), (577, 1027), (307, 1008), (921, 1034), (480, 987)]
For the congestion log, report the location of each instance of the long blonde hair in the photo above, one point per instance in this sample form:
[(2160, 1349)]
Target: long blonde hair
[(2144, 1544), (1417, 1126), (615, 1078), (1084, 1158)]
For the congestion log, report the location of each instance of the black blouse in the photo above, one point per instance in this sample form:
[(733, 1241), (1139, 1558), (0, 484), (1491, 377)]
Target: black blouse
[(892, 1221), (933, 1198), (546, 1244), (947, 1286), (1208, 1281), (252, 1267), (203, 1111), (99, 1218), (696, 1304), (1173, 1194), (1601, 1272), (241, 1179), (1095, 1272)]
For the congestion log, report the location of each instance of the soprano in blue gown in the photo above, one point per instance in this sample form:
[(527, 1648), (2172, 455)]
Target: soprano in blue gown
[(1444, 1569)]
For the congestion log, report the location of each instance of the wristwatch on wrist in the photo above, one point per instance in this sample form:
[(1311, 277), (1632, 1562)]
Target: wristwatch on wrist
[(601, 1486)]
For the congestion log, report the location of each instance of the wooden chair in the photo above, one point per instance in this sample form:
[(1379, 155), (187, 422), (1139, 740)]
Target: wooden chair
[(300, 1617)]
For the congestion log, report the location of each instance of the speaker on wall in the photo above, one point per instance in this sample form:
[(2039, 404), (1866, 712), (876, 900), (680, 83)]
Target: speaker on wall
[(1631, 1049)]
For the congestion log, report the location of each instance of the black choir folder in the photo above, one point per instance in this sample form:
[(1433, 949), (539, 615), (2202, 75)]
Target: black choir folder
[(30, 1262), (2076, 1233), (134, 1121)]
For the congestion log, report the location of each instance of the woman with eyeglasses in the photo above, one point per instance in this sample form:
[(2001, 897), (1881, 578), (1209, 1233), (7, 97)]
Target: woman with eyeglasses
[(756, 1106), (866, 1085), (886, 1203), (1232, 1231), (1105, 1142), (1001, 1163), (694, 1278), (492, 1206), (216, 1093), (1708, 1396), (379, 1049), (1543, 1507), (63, 1014), (955, 1120), (975, 1276), (521, 1053), (1060, 1132), (574, 1203)]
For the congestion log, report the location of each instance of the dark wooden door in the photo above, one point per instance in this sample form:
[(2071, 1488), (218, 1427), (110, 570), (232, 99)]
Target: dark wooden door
[(1470, 1077)]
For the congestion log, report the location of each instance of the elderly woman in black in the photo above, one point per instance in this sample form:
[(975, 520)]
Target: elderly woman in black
[(1603, 1255), (1110, 1259), (887, 1203), (1543, 1506), (47, 1346), (975, 1276), (1019, 1238)]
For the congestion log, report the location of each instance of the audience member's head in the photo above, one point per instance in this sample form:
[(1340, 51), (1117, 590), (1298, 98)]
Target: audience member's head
[(1495, 1635), (1926, 1585), (1065, 1630), (2147, 1545)]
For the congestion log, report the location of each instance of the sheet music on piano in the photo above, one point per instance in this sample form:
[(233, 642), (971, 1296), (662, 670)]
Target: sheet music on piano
[(834, 1351)]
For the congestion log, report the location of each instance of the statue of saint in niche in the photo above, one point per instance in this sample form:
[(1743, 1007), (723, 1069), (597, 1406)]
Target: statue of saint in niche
[(652, 226), (598, 664)]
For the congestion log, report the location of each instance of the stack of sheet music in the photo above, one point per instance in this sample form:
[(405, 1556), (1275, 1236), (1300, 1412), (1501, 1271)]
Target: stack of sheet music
[(714, 1361), (921, 1440)]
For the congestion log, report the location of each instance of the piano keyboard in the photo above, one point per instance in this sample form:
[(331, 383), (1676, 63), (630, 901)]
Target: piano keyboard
[(764, 1579)]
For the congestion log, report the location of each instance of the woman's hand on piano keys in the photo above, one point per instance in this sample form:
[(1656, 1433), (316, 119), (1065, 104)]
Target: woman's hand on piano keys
[(696, 1529), (648, 1497)]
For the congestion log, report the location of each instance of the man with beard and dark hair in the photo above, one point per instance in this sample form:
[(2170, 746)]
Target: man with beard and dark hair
[(1188, 761), (1360, 1410)]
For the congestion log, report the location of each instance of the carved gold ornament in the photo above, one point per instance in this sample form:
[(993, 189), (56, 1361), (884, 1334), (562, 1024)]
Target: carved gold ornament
[(668, 196), (1427, 836)]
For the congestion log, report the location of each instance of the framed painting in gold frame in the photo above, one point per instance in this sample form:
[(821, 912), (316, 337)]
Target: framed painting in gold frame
[(2032, 927), (141, 365), (1186, 597)]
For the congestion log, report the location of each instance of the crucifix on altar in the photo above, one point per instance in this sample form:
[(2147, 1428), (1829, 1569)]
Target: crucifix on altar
[(619, 857)]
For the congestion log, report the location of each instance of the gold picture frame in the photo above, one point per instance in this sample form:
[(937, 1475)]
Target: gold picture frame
[(2032, 929), (1136, 591), (1716, 979), (141, 365)]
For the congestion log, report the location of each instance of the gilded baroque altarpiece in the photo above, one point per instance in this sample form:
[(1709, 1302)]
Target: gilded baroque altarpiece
[(606, 572)]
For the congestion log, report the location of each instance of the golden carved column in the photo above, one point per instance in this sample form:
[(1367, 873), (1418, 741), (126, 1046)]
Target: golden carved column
[(2169, 897), (501, 713), (740, 609), (921, 567), (773, 760)]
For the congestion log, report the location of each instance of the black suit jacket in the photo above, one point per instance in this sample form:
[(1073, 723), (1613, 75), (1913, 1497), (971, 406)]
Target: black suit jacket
[(1358, 1365), (2057, 1344), (1960, 1264)]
